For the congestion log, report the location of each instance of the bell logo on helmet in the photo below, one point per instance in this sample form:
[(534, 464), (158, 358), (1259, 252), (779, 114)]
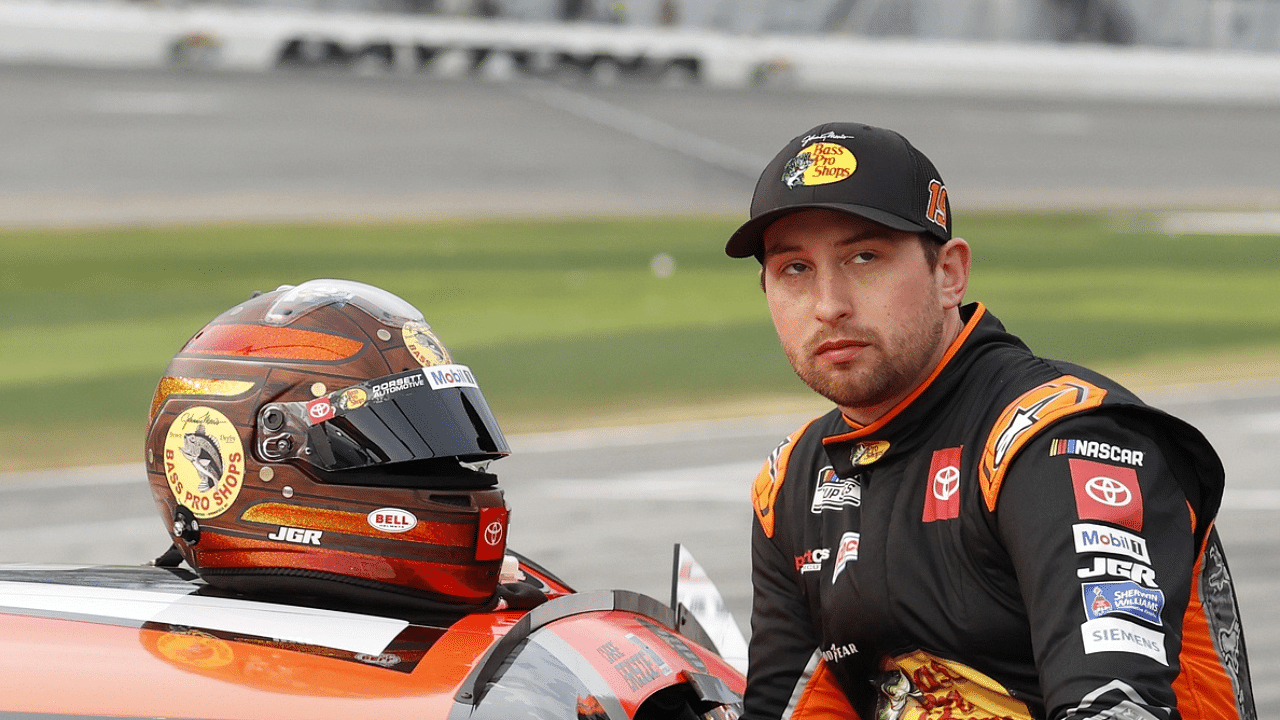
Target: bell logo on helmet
[(392, 520)]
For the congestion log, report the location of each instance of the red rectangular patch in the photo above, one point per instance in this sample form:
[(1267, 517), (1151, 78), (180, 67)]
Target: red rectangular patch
[(1107, 492), (942, 498), (491, 544)]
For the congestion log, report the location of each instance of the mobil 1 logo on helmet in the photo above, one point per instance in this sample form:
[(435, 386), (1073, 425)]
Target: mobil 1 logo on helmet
[(448, 376)]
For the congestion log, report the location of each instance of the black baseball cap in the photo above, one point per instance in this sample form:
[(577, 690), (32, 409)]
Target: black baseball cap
[(859, 169)]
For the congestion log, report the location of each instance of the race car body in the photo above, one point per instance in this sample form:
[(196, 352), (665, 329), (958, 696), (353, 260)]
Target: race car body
[(116, 641)]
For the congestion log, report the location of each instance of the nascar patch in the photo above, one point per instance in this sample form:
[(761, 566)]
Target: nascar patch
[(1097, 451)]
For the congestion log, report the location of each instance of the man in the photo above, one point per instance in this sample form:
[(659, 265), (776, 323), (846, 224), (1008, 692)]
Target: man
[(973, 531)]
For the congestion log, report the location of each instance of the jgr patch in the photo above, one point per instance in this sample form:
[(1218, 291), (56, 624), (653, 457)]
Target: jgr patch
[(847, 553), (1107, 492), (1090, 538), (942, 498), (821, 163), (834, 493), (1114, 567), (423, 344), (204, 461), (1097, 451), (1110, 634), (1126, 598)]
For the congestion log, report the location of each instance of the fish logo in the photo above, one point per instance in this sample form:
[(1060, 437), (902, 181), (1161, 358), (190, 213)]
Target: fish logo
[(205, 456)]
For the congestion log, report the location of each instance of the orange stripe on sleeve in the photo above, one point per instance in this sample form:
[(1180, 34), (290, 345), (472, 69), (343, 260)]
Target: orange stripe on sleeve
[(764, 493), (1203, 688), (822, 698)]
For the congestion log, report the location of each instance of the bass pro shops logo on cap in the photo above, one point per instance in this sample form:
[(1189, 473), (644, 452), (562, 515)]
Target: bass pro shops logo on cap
[(819, 164), (865, 171)]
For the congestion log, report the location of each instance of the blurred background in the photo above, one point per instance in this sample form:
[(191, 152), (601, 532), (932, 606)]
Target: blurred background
[(551, 181)]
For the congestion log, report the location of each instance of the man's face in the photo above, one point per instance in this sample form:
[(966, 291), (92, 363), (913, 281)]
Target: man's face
[(858, 309)]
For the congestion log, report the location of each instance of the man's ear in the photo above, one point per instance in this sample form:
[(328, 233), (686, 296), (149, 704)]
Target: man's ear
[(953, 272)]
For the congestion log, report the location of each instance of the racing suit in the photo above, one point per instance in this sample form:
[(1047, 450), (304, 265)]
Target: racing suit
[(1019, 538)]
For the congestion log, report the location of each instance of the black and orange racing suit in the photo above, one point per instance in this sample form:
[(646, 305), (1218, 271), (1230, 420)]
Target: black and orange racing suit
[(1019, 538)]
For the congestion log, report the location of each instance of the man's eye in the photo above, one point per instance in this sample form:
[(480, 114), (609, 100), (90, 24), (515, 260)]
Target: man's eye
[(794, 268), (864, 257)]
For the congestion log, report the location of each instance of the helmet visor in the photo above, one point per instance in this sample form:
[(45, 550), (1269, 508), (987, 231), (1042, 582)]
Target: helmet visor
[(435, 412)]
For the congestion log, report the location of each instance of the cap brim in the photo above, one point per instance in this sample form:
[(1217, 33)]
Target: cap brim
[(748, 240)]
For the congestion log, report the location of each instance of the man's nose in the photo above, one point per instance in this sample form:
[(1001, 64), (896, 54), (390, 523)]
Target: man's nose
[(834, 301)]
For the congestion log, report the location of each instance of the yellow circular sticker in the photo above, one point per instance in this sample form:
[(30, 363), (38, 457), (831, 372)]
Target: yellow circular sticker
[(819, 164), (423, 344), (352, 398), (204, 461)]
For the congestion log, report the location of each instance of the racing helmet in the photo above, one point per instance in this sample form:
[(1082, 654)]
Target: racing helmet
[(319, 441)]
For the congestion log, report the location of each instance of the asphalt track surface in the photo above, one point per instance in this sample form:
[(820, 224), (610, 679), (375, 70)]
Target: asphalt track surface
[(603, 508)]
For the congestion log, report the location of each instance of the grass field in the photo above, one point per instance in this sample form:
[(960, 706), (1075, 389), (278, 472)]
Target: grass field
[(574, 322)]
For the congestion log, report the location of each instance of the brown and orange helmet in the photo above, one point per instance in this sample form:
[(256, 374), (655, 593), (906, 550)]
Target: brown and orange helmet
[(319, 440)]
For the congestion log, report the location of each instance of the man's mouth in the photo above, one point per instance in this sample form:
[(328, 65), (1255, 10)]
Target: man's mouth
[(838, 352)]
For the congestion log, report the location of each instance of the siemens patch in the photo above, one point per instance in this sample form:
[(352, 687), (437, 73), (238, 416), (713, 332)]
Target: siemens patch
[(1108, 634), (1126, 598), (1097, 451)]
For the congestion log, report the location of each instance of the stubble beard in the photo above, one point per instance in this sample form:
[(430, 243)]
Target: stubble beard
[(885, 373)]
